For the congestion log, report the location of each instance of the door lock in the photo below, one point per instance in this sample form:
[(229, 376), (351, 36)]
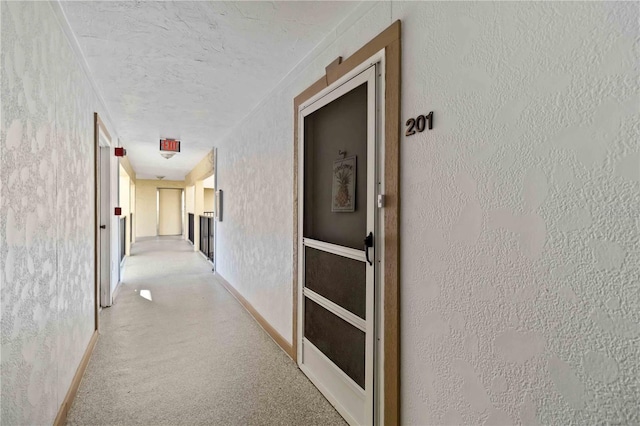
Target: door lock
[(103, 226), (368, 242)]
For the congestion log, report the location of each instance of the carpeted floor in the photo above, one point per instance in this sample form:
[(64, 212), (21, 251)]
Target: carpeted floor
[(190, 356)]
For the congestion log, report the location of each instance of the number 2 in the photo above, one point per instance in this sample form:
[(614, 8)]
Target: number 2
[(411, 123)]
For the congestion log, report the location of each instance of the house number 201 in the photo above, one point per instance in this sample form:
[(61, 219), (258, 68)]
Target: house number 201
[(418, 124)]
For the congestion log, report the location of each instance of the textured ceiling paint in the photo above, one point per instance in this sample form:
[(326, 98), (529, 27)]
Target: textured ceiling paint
[(191, 70)]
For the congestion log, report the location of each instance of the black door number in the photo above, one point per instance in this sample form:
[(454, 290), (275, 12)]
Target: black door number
[(419, 124)]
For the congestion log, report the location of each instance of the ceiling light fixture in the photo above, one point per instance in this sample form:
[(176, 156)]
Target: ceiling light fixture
[(160, 177), (167, 155)]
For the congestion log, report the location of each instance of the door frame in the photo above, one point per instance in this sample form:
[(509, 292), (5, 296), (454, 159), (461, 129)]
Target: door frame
[(386, 50)]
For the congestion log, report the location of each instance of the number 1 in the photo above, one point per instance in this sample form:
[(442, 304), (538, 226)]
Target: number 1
[(430, 118)]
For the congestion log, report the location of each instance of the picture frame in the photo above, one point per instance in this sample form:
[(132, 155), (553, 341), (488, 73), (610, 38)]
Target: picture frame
[(343, 186)]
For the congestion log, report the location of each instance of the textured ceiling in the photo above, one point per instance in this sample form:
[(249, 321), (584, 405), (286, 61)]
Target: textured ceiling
[(191, 70)]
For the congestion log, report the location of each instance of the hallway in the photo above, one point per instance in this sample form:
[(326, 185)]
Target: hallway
[(420, 213), (190, 355)]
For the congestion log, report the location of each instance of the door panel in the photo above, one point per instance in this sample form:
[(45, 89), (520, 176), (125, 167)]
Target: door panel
[(336, 321), (338, 278), (170, 212), (338, 126), (340, 341)]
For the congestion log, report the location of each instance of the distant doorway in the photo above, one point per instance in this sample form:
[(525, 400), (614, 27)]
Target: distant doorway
[(169, 211)]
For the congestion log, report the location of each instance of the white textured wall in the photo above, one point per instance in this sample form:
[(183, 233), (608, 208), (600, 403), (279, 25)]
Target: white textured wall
[(46, 213), (520, 281), (521, 291)]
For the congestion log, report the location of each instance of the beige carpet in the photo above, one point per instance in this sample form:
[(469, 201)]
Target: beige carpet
[(191, 355)]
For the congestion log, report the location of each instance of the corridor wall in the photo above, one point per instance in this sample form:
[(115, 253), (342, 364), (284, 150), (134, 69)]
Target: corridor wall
[(46, 212), (189, 195), (519, 221), (209, 199), (190, 207), (124, 163), (124, 202)]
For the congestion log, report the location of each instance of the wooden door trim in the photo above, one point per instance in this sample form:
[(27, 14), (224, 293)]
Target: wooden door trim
[(390, 41)]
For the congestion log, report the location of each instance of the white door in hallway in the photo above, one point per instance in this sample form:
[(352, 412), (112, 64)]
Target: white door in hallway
[(169, 211), (104, 221), (336, 317)]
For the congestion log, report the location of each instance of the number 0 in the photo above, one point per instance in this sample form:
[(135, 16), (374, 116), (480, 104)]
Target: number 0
[(420, 123)]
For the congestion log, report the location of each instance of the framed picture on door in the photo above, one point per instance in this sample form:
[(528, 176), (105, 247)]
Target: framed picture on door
[(343, 187)]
